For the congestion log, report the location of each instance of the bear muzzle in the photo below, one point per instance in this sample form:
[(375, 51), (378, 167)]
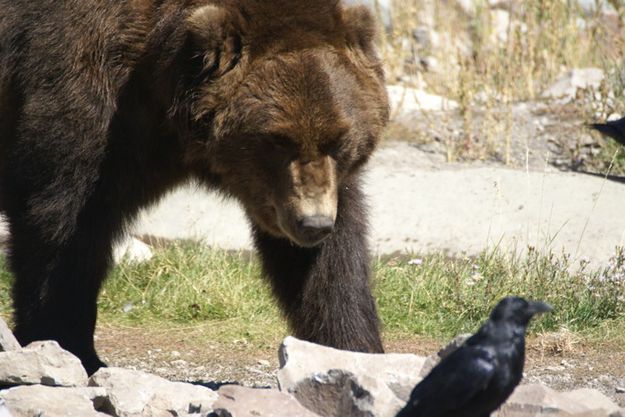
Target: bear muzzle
[(307, 228), (309, 215), (313, 229)]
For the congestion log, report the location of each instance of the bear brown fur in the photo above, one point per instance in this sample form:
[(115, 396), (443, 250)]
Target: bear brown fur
[(106, 105)]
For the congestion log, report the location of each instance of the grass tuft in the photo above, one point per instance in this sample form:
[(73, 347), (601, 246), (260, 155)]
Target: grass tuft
[(189, 283), (442, 297)]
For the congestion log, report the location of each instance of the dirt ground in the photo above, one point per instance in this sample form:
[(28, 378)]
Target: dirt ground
[(189, 355)]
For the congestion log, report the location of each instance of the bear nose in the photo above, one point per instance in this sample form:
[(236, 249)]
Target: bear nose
[(315, 228)]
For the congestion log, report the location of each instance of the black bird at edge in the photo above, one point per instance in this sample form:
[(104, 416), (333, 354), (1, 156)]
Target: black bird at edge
[(480, 375), (614, 129)]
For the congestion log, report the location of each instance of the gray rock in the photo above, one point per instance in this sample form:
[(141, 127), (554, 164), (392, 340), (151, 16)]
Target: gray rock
[(4, 411), (332, 382), (139, 394), (470, 6), (453, 345), (4, 238), (500, 22), (8, 342), (40, 400), (41, 363), (422, 35), (567, 85), (590, 6), (407, 100), (445, 351), (538, 400), (237, 401), (337, 393), (131, 250)]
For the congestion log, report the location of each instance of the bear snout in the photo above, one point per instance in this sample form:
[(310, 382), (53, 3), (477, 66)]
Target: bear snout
[(313, 229)]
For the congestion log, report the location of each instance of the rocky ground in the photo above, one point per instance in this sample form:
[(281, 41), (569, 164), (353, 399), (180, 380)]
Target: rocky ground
[(559, 361), (41, 379)]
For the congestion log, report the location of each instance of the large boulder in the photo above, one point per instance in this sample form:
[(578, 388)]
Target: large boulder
[(45, 401), (8, 342), (139, 394), (536, 400), (332, 382), (43, 363), (237, 401)]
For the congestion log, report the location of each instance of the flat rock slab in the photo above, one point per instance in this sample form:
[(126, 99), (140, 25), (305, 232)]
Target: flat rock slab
[(45, 401), (139, 394), (237, 401), (464, 209), (535, 400), (43, 363), (8, 342), (332, 382)]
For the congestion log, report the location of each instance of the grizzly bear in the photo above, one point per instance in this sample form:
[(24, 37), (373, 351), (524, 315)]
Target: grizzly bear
[(105, 105)]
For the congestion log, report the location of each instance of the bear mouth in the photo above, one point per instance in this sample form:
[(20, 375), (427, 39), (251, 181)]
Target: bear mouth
[(308, 242), (303, 231), (308, 231)]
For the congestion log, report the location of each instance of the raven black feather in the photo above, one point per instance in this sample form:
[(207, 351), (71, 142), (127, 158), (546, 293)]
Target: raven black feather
[(480, 375), (614, 129)]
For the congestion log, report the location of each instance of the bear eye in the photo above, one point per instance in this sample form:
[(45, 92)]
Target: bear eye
[(331, 148), (277, 146), (281, 143)]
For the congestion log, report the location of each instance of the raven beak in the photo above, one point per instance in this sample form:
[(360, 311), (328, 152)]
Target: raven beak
[(538, 307)]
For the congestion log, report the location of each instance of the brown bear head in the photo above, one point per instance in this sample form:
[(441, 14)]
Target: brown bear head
[(288, 103)]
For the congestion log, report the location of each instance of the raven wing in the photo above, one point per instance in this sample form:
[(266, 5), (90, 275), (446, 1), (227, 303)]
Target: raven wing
[(453, 383), (614, 129)]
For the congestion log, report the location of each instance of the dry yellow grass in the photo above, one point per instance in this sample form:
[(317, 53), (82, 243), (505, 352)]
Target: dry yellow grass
[(486, 68)]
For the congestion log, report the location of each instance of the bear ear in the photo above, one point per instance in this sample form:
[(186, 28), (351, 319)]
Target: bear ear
[(361, 26), (215, 34)]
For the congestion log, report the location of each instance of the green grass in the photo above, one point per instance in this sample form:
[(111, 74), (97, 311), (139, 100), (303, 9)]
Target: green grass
[(443, 297), (191, 284), (437, 296), (5, 295)]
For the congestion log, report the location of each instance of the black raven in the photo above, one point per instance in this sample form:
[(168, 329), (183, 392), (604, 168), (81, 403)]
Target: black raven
[(614, 129), (480, 375)]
